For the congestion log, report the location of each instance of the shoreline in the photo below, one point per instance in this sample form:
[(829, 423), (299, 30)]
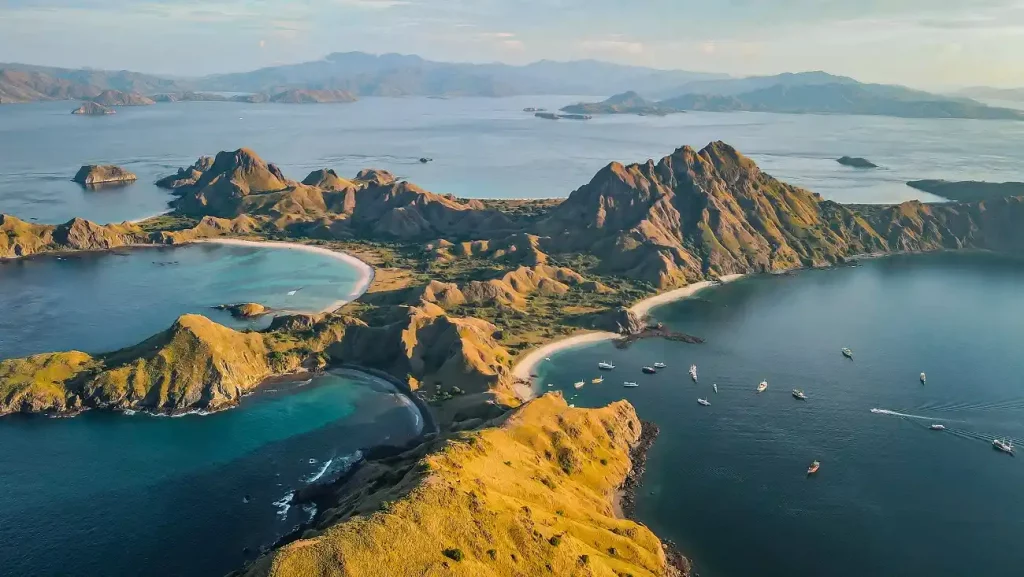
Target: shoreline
[(523, 369), (366, 272)]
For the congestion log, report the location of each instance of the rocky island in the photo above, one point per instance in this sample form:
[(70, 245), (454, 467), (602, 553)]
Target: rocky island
[(118, 98), (244, 310), (95, 174), (969, 191), (625, 103), (92, 109), (463, 288), (856, 162)]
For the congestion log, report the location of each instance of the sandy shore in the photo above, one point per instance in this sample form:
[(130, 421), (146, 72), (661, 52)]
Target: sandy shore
[(524, 368), (365, 270), (643, 308)]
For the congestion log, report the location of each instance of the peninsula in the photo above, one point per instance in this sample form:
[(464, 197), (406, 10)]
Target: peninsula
[(969, 191), (463, 289)]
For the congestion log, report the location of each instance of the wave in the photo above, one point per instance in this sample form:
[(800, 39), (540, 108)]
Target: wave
[(335, 467), (284, 504), (323, 470)]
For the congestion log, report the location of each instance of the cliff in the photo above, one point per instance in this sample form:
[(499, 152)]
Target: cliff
[(194, 364), (118, 98), (530, 493), (102, 174), (19, 238)]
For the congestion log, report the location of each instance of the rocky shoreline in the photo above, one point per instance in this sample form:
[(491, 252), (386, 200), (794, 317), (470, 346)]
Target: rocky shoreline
[(627, 493), (657, 331)]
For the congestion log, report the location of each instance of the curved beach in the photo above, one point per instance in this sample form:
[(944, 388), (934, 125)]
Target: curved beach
[(366, 272)]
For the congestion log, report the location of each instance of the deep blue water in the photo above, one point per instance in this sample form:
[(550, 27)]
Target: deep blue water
[(118, 495), (98, 302), (482, 147), (727, 482)]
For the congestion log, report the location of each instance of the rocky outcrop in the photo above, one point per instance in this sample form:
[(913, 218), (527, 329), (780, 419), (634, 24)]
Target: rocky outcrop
[(530, 493), (519, 248), (303, 96), (118, 98), (186, 177), (327, 179), (19, 238), (196, 364), (244, 310), (222, 189), (93, 174), (429, 349), (620, 321), (856, 162), (511, 289), (92, 109)]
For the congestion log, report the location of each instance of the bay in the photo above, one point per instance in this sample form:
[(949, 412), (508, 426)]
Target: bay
[(727, 482)]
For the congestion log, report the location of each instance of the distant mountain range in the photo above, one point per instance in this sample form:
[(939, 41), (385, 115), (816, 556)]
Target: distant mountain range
[(989, 93), (809, 92)]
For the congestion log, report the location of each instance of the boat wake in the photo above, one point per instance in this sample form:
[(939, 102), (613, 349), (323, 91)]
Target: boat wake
[(904, 415)]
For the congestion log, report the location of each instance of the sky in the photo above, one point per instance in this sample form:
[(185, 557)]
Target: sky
[(934, 44)]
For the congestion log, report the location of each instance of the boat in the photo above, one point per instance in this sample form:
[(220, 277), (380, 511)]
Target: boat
[(693, 372), (813, 468), (1004, 445), (649, 370), (762, 387), (938, 427), (923, 378), (660, 365), (597, 381), (847, 353), (547, 358), (715, 387), (605, 366), (550, 385), (579, 384), (704, 402), (797, 393), (630, 385)]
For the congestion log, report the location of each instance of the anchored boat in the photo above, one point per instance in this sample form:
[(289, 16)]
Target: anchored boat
[(704, 402), (605, 366), (797, 393), (938, 427), (693, 372), (660, 365), (649, 370), (630, 385), (813, 468), (579, 384), (597, 381), (847, 353), (715, 387), (762, 387), (923, 378)]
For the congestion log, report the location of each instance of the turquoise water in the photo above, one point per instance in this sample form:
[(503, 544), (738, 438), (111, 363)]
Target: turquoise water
[(727, 482), (109, 494), (482, 147), (98, 302)]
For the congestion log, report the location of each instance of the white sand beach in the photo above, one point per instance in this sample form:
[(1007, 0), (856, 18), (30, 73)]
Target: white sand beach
[(365, 271), (643, 308)]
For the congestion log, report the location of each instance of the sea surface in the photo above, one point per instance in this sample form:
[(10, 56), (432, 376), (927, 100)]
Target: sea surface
[(99, 302), (481, 147), (727, 483), (124, 495)]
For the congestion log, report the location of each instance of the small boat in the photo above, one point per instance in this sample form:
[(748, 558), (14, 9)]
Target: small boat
[(704, 402), (597, 381), (813, 468), (579, 384), (660, 365), (847, 353), (923, 378), (715, 387), (1004, 445), (550, 385), (605, 366), (762, 387), (547, 358), (938, 427), (649, 370), (797, 393), (630, 385), (693, 372)]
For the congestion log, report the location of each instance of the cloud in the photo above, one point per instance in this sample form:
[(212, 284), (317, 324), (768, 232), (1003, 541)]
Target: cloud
[(372, 4), (513, 44), (612, 45), (708, 48)]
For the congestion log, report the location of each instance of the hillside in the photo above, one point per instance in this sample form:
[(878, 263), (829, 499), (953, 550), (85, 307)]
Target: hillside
[(625, 103), (530, 493), (18, 86), (118, 98), (297, 96)]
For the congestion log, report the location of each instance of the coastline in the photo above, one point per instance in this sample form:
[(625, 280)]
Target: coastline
[(523, 369), (366, 272)]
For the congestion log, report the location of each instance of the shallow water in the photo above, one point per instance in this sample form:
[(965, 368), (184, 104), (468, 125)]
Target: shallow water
[(98, 302), (727, 482), (118, 495), (482, 147)]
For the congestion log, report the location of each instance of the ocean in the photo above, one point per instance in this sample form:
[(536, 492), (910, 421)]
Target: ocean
[(481, 147), (728, 482)]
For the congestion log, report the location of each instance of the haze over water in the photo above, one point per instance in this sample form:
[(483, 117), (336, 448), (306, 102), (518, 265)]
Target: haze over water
[(727, 482), (482, 147)]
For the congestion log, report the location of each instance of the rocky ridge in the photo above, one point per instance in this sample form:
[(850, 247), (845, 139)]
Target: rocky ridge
[(94, 174)]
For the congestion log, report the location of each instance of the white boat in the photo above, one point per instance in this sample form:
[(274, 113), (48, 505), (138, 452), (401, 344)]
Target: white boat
[(579, 384), (923, 378), (605, 366), (938, 427), (649, 370), (715, 387), (762, 387), (799, 395), (1004, 445), (693, 372), (550, 385), (630, 385), (847, 353), (704, 402), (660, 365), (547, 358)]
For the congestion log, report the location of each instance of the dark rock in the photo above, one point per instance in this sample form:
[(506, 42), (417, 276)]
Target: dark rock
[(296, 322), (856, 162), (244, 310), (102, 174), (92, 109), (621, 321)]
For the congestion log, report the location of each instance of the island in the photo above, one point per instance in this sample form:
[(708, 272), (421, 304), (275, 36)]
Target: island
[(98, 174), (244, 310), (118, 98), (856, 162), (301, 96), (466, 296), (93, 109), (969, 191), (625, 103)]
